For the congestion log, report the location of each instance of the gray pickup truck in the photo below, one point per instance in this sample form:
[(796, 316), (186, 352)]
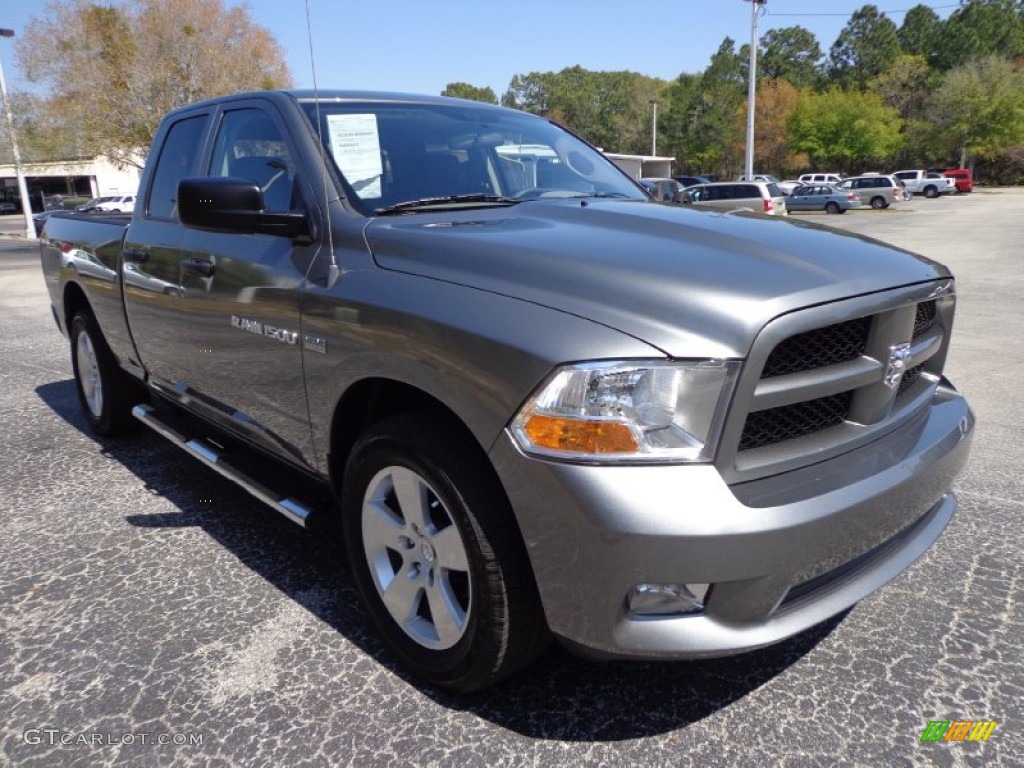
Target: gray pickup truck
[(537, 402)]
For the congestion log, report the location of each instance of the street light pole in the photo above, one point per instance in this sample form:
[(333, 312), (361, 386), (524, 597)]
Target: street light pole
[(26, 204), (654, 128), (752, 85)]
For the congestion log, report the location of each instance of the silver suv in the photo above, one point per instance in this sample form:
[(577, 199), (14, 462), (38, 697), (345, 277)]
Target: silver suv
[(758, 196), (875, 190)]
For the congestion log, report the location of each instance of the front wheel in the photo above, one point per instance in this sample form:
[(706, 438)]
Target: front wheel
[(104, 390), (436, 555), (878, 203), (832, 207)]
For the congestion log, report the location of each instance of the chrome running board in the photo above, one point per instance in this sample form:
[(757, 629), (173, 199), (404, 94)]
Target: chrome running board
[(290, 508)]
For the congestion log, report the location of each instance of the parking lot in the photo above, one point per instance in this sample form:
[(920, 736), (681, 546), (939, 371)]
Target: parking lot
[(153, 614)]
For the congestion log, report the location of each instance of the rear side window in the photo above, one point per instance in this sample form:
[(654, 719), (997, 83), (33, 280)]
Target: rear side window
[(179, 158), (774, 190)]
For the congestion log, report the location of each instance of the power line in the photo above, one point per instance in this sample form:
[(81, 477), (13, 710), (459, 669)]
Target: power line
[(907, 10)]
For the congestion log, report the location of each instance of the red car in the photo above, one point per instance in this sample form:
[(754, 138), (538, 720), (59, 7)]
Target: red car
[(962, 177)]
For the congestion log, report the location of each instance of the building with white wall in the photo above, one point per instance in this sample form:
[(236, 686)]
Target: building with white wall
[(68, 178)]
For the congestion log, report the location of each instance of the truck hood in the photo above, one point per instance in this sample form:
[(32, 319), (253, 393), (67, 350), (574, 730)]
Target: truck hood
[(691, 283)]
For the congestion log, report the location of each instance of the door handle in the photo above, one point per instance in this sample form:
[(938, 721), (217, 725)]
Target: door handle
[(200, 267), (135, 254)]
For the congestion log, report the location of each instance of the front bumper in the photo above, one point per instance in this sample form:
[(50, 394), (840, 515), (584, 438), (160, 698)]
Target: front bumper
[(781, 553)]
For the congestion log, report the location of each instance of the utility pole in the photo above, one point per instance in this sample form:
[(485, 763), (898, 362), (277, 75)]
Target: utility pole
[(654, 128), (26, 204), (755, 8)]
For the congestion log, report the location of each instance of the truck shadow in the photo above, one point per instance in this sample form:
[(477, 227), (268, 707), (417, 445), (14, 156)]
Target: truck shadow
[(559, 697)]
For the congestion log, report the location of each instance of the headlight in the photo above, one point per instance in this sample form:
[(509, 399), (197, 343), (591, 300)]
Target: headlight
[(646, 411)]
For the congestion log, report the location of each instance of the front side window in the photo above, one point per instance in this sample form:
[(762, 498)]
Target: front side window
[(179, 157), (409, 155), (250, 146)]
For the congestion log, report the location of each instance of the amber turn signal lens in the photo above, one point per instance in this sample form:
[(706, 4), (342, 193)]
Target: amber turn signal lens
[(578, 436)]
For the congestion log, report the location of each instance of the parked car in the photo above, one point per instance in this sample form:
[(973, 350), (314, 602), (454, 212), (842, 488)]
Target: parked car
[(116, 204), (758, 196), (788, 186), (822, 197), (90, 205), (875, 189), (664, 190), (961, 178), (6, 207), (766, 177), (820, 178), (929, 184), (689, 181)]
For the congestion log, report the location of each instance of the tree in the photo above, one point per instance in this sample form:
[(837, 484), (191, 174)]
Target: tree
[(714, 130), (467, 91), (921, 32), (982, 28), (905, 86), (867, 46), (114, 70), (609, 109), (979, 108), (776, 99), (844, 129), (792, 54)]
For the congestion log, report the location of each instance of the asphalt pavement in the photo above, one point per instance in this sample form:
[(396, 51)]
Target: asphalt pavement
[(153, 614)]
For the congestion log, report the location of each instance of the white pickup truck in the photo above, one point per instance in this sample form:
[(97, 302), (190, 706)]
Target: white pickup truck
[(926, 183)]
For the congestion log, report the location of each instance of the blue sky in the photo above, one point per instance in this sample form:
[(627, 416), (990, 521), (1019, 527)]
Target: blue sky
[(419, 46)]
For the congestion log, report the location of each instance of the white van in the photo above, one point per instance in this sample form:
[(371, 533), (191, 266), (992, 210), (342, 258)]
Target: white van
[(820, 178)]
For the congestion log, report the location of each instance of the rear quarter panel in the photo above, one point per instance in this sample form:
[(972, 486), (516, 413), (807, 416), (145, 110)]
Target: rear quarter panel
[(80, 255)]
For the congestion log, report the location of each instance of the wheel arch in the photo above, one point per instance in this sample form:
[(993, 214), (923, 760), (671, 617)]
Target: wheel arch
[(75, 301), (373, 399)]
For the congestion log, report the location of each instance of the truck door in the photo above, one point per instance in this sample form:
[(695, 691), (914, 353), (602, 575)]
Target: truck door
[(153, 295), (242, 293)]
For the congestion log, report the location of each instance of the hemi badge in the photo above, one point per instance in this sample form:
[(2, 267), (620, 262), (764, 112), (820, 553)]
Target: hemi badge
[(314, 344)]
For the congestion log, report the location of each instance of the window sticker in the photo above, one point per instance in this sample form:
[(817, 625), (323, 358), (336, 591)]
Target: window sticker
[(355, 143)]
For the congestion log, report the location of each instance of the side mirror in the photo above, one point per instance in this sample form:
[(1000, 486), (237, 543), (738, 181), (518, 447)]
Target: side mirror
[(227, 204)]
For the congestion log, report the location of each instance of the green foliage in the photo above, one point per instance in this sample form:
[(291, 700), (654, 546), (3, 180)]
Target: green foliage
[(609, 109), (867, 47), (844, 129), (790, 54), (921, 32), (979, 108), (906, 86), (466, 91), (981, 28), (713, 127)]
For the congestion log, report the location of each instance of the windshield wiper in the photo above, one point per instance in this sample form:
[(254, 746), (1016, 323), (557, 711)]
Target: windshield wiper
[(426, 202)]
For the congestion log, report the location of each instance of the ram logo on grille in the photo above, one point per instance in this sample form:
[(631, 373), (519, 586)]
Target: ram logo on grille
[(898, 357)]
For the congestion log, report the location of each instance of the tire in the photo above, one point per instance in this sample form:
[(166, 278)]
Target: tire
[(439, 562), (105, 392), (832, 207), (931, 192), (878, 203)]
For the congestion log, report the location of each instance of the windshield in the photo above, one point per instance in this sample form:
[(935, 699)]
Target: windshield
[(439, 155)]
